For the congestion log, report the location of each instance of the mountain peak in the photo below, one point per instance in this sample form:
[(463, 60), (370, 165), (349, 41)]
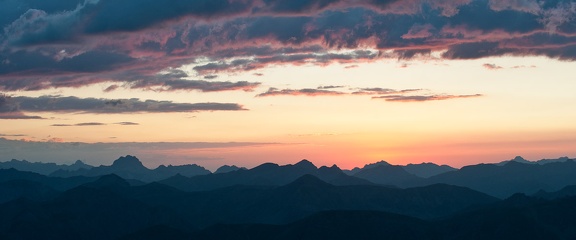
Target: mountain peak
[(305, 164), (519, 159), (227, 168), (128, 162), (110, 180), (308, 180), (376, 164)]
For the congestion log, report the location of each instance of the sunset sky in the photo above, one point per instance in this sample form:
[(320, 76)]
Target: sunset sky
[(244, 82)]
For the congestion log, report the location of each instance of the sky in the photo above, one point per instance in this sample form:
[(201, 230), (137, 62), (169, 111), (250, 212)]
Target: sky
[(244, 82)]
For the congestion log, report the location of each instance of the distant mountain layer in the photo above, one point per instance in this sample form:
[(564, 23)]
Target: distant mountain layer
[(308, 208), (130, 167), (110, 207), (512, 177), (500, 180), (422, 170), (42, 168), (268, 174), (532, 219)]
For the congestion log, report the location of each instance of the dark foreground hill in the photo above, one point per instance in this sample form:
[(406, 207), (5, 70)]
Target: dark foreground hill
[(110, 207), (307, 208), (510, 219)]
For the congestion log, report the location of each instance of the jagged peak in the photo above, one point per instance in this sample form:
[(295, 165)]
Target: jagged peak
[(128, 161), (379, 163), (519, 159), (305, 163), (227, 168)]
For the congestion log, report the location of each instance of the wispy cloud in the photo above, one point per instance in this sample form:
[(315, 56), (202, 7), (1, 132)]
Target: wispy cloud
[(13, 135), (17, 116), (299, 92), (381, 91), (391, 95), (423, 98), (127, 123), (79, 124), (491, 66), (17, 106)]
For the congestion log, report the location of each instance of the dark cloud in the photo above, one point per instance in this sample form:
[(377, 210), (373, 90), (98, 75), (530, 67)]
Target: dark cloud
[(330, 87), (491, 66), (422, 98), (12, 135), (300, 92), (52, 44), (18, 105), (79, 124), (391, 95), (128, 123), (17, 116), (382, 91), (111, 88)]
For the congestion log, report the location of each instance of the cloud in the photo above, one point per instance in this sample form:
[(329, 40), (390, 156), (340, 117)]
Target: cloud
[(381, 91), (423, 98), (127, 123), (79, 124), (390, 95), (56, 104), (13, 135), (17, 116), (299, 92), (330, 87), (491, 66), (73, 43)]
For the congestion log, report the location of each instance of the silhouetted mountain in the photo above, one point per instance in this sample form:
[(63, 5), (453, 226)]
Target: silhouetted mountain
[(82, 213), (512, 177), (332, 225), (227, 168), (422, 170), (15, 189), (540, 162), (188, 170), (130, 167), (546, 161), (303, 197), (268, 174), (388, 175), (426, 170), (307, 208), (517, 159), (367, 166), (158, 232), (567, 191), (56, 183), (42, 168), (308, 195), (519, 217), (532, 219)]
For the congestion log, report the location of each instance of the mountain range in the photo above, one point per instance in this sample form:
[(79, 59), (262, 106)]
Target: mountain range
[(130, 167), (505, 178), (110, 207)]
